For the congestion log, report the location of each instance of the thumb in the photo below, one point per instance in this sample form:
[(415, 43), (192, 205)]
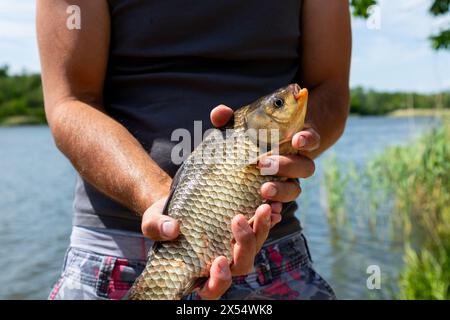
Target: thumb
[(220, 115), (157, 226)]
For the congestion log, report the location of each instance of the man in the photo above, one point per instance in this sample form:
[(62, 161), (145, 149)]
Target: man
[(135, 71)]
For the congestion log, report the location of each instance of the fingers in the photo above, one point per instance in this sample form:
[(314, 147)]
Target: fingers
[(157, 226), (262, 225), (291, 166), (281, 191), (306, 140), (220, 115), (248, 242), (275, 219), (275, 216), (276, 207), (219, 280), (244, 249)]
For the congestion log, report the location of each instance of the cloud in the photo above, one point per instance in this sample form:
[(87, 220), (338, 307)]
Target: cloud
[(16, 29), (17, 19), (17, 35), (399, 55), (16, 8)]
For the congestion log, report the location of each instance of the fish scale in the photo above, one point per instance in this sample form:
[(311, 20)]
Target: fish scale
[(210, 189)]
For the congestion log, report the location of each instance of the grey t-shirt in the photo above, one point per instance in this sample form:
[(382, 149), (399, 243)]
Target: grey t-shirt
[(172, 61)]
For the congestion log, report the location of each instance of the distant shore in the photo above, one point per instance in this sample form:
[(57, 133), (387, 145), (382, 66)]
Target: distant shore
[(28, 120), (22, 120), (420, 113), (22, 101)]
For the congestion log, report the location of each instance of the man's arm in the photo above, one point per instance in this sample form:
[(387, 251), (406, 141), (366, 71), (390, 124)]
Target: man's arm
[(325, 67), (73, 70)]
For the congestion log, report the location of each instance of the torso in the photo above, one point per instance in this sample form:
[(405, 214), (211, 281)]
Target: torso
[(172, 61)]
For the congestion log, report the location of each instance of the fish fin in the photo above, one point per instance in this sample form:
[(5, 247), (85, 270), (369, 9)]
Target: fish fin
[(176, 179), (173, 187), (194, 284)]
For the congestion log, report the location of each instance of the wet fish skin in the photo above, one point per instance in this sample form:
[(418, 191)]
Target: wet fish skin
[(206, 195)]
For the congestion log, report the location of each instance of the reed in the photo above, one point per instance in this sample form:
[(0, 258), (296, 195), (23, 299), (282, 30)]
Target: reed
[(410, 185), (336, 183)]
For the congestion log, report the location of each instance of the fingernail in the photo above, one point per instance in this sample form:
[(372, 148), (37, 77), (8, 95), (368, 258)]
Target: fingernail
[(223, 266), (168, 228), (265, 163), (242, 224), (268, 220), (300, 141), (271, 190)]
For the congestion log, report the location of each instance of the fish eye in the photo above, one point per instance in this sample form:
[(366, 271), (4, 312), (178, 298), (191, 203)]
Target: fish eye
[(278, 103)]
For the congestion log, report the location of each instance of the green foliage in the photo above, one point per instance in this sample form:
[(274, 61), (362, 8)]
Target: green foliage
[(336, 186), (441, 40), (369, 102), (426, 275), (418, 177), (440, 7), (4, 71), (360, 7), (21, 96)]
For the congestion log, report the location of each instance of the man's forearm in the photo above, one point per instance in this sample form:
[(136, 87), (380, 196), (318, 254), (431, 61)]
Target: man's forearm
[(326, 45), (328, 108), (107, 155)]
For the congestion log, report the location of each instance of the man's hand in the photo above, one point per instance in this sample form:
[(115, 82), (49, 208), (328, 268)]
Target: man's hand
[(290, 166), (249, 240)]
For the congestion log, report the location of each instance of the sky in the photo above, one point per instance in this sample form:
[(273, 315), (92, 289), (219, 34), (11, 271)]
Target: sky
[(395, 56)]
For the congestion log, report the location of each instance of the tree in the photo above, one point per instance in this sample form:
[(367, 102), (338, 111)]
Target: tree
[(4, 71), (439, 41)]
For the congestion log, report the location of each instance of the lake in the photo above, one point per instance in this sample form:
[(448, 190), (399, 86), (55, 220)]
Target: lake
[(36, 190)]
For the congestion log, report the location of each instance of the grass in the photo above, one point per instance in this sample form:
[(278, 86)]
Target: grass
[(412, 185)]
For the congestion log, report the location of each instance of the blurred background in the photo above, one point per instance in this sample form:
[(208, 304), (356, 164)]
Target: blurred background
[(380, 196)]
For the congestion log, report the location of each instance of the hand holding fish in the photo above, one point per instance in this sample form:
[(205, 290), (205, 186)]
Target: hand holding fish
[(157, 226), (290, 166)]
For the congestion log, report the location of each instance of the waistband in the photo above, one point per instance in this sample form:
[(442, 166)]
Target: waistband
[(111, 242)]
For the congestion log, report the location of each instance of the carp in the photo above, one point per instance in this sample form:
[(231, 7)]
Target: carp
[(219, 180)]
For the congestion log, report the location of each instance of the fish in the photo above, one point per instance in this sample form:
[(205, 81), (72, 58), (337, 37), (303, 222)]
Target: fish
[(219, 180)]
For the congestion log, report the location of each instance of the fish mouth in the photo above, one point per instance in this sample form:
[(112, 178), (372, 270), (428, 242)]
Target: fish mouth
[(299, 93)]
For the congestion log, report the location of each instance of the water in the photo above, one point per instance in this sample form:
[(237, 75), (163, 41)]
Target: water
[(343, 262), (36, 190)]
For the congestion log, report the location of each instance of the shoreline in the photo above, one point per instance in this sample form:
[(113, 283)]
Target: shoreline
[(18, 121), (420, 113)]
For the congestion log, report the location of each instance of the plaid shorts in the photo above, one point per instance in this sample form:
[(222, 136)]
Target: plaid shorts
[(283, 270)]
